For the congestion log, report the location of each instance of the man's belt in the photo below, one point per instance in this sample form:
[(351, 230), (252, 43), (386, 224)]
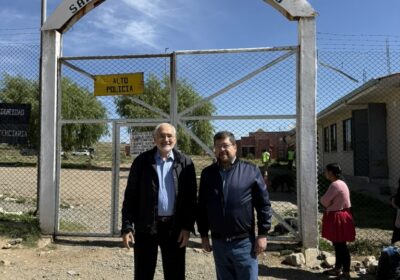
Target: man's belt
[(164, 219), (230, 238)]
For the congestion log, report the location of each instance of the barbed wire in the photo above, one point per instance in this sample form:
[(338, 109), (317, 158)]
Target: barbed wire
[(358, 35), (16, 34), (5, 44), (360, 42), (21, 28)]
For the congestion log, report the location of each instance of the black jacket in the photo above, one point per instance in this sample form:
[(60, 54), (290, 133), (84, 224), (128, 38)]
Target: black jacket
[(234, 215), (140, 206)]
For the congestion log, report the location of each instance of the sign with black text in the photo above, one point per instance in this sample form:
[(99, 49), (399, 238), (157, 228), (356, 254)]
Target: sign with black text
[(119, 84)]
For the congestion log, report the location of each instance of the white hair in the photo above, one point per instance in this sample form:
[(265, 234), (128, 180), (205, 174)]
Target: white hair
[(162, 124)]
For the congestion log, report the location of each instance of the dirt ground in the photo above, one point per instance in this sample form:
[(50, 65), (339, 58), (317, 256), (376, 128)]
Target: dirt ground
[(89, 258), (103, 258)]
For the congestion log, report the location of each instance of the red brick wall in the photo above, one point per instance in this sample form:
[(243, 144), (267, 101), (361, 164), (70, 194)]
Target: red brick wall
[(261, 140)]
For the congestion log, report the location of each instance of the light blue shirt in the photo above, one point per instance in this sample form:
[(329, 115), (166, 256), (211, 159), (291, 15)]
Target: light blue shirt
[(166, 191)]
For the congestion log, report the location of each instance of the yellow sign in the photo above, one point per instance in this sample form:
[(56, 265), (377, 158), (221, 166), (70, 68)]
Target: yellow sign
[(119, 84)]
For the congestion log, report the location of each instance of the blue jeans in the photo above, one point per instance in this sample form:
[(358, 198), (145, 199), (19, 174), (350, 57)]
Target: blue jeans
[(235, 260)]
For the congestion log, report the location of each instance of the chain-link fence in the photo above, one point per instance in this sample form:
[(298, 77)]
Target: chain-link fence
[(19, 84), (219, 90), (249, 92), (358, 127)]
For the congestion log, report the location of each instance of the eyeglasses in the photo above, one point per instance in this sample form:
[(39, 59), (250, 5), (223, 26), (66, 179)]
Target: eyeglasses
[(223, 146), (163, 136)]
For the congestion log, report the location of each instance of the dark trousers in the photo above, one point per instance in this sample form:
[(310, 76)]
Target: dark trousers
[(342, 256), (145, 254), (396, 231)]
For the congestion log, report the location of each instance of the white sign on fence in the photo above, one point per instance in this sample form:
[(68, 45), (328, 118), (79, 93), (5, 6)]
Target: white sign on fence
[(141, 141)]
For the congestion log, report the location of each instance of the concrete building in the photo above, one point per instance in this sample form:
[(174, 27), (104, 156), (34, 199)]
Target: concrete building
[(257, 142), (361, 132)]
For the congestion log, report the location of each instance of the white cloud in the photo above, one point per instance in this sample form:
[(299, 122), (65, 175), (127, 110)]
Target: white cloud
[(127, 30), (142, 21), (154, 9), (130, 24), (14, 19), (140, 31), (150, 8)]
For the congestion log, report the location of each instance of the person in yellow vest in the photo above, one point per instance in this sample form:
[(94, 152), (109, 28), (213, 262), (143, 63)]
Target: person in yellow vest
[(265, 157), (290, 157)]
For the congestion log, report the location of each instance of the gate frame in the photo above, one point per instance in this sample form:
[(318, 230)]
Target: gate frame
[(299, 10), (180, 118)]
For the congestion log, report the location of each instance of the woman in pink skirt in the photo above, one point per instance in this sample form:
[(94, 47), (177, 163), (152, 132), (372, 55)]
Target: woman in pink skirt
[(337, 221)]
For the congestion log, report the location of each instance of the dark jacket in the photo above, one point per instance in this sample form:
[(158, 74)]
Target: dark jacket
[(140, 206), (234, 215)]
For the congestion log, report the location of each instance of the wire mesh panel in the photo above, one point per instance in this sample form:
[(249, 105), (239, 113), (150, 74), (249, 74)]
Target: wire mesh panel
[(252, 94), (124, 162), (358, 127), (86, 138), (85, 193), (19, 84), (236, 91)]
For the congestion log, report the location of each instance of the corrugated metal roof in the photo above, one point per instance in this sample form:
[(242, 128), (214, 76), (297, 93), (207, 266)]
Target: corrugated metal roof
[(370, 87)]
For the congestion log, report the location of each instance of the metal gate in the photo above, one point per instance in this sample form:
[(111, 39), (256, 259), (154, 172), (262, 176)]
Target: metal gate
[(251, 92)]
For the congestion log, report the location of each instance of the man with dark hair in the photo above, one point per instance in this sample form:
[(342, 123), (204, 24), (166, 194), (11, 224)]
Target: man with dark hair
[(230, 189), (159, 207)]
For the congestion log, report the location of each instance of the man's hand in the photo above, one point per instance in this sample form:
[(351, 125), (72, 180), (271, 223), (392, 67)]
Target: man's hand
[(126, 238), (205, 242), (261, 244), (183, 238)]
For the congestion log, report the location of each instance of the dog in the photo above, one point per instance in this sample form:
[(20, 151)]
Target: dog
[(283, 182)]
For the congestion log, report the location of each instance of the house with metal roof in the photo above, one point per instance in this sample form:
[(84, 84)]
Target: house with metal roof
[(361, 132)]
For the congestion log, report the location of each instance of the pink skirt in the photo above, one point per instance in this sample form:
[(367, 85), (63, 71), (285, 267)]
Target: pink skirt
[(338, 226)]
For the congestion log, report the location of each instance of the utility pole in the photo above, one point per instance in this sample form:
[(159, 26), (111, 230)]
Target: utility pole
[(388, 57), (165, 62)]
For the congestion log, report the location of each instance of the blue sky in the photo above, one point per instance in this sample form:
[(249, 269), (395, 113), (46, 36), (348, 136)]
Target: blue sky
[(142, 26), (121, 27)]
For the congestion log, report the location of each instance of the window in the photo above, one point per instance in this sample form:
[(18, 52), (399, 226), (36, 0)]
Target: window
[(248, 152), (333, 137), (347, 143), (326, 139)]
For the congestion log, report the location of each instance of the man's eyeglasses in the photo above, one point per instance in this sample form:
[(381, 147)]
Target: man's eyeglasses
[(223, 146), (163, 136)]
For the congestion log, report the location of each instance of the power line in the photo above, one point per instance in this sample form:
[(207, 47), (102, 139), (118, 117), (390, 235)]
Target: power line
[(358, 45), (15, 34), (19, 44), (358, 35), (22, 28), (354, 40), (22, 40)]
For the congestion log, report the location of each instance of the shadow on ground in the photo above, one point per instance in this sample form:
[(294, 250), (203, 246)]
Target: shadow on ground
[(103, 242), (289, 273)]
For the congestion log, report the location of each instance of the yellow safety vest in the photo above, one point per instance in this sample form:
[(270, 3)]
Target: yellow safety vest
[(265, 157)]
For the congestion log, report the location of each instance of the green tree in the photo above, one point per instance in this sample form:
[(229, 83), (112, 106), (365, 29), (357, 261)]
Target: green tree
[(156, 93), (77, 103)]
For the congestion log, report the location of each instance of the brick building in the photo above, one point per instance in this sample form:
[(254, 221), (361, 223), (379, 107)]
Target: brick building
[(260, 140)]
